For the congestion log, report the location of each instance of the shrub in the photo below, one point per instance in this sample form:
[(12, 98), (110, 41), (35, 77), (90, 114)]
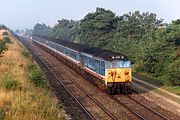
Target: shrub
[(172, 76), (175, 76), (6, 39), (31, 67), (4, 109), (5, 33), (36, 77), (25, 54), (2, 114), (3, 45), (11, 85)]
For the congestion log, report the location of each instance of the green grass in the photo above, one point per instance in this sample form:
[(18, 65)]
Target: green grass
[(174, 89), (148, 78), (167, 96), (157, 82), (9, 83), (36, 76)]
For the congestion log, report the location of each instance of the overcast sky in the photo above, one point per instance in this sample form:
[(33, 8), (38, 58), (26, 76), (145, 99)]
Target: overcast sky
[(18, 14)]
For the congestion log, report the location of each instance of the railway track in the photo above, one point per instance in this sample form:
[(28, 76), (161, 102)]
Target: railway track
[(129, 103), (150, 106), (34, 55), (146, 113), (145, 106), (67, 82), (57, 69)]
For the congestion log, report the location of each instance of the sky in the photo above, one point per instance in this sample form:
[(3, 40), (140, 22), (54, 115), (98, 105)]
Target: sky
[(21, 14)]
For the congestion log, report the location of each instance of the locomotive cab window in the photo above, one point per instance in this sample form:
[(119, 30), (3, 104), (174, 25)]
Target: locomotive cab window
[(124, 64), (118, 64)]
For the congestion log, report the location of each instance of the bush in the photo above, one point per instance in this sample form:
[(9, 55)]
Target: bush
[(25, 54), (2, 114), (31, 67), (175, 76), (3, 45), (36, 76), (7, 40), (5, 33), (11, 85), (4, 109), (171, 74)]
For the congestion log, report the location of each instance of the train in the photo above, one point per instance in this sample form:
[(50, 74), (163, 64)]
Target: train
[(110, 70)]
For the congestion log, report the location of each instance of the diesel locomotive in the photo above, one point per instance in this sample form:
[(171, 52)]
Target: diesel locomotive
[(110, 70)]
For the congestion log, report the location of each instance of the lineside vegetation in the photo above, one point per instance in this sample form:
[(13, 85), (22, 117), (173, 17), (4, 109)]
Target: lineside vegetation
[(152, 45), (24, 92)]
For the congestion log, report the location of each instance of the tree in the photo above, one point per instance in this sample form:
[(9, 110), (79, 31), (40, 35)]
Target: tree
[(131, 30), (97, 29), (42, 29), (66, 29), (28, 32), (153, 46), (136, 25), (160, 56), (176, 22)]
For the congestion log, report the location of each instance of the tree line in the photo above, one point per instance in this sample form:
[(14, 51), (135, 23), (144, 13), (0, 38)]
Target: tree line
[(152, 45)]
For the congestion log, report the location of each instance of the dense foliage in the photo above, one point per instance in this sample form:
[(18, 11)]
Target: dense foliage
[(42, 29), (66, 29), (153, 46), (98, 28)]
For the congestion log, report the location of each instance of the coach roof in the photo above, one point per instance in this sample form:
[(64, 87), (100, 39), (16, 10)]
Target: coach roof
[(97, 52)]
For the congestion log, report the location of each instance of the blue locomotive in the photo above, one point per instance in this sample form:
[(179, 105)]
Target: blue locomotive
[(110, 69)]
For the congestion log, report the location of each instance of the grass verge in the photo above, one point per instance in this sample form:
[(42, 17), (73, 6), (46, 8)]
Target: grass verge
[(21, 96), (154, 81)]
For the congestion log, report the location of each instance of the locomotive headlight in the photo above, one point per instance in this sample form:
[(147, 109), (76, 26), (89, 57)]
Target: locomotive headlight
[(119, 72)]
